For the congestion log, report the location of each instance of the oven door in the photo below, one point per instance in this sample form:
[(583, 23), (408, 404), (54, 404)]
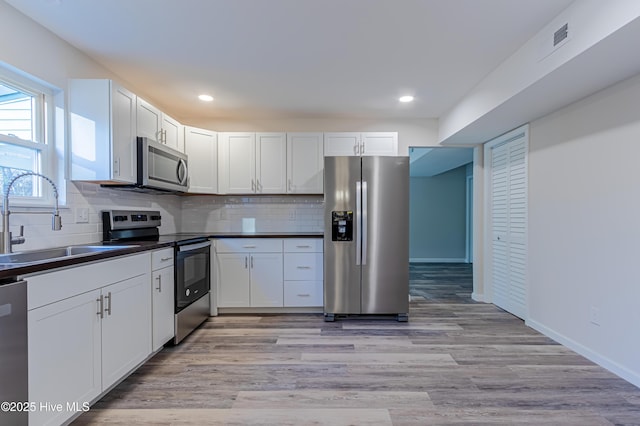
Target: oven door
[(193, 279)]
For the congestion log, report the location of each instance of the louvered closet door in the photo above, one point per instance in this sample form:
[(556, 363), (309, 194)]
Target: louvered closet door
[(509, 225)]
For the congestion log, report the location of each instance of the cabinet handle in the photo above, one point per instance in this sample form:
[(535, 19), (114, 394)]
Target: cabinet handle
[(357, 148), (249, 246), (159, 288), (159, 135), (303, 295), (108, 308), (362, 148), (116, 166), (303, 246), (258, 186), (245, 262), (100, 301), (289, 184), (304, 267), (164, 136), (253, 186), (164, 259), (251, 262)]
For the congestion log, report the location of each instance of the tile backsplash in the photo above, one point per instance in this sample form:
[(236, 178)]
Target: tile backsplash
[(37, 227), (262, 214), (179, 214)]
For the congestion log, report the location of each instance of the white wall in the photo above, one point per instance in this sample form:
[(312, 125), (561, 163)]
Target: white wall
[(584, 227), (437, 210), (31, 49)]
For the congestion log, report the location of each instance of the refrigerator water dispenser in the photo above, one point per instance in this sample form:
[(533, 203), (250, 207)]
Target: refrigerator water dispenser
[(341, 226)]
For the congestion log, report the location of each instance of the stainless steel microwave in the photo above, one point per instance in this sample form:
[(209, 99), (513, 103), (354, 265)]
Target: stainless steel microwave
[(161, 167)]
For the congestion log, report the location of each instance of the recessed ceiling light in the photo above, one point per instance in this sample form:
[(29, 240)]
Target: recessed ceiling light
[(407, 98), (205, 98)]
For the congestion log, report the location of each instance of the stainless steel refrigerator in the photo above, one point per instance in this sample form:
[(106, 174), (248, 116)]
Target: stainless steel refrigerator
[(366, 236)]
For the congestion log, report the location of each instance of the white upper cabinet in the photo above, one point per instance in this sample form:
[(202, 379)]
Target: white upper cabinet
[(271, 163), (102, 122), (154, 124), (236, 163), (201, 147), (173, 133), (379, 143), (252, 163), (305, 163), (360, 144)]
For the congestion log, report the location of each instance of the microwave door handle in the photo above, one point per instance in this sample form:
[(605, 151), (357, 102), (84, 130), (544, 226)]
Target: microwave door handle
[(181, 171)]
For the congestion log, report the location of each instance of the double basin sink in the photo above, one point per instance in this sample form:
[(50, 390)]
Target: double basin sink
[(47, 255)]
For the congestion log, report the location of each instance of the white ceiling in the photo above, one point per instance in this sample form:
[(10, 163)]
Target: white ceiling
[(297, 58)]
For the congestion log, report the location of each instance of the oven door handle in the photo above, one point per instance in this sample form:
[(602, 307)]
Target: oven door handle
[(190, 247)]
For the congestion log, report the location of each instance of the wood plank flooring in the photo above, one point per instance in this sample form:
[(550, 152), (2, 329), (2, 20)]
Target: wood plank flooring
[(455, 362)]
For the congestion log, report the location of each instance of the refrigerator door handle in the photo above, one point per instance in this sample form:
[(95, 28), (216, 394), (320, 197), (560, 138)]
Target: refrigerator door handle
[(358, 221), (364, 222)]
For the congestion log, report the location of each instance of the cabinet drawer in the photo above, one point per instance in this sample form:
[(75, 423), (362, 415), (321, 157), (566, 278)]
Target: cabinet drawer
[(161, 258), (303, 245), (249, 245), (303, 293), (303, 266), (49, 287)]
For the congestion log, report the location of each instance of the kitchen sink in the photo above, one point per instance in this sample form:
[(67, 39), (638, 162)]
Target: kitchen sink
[(46, 255)]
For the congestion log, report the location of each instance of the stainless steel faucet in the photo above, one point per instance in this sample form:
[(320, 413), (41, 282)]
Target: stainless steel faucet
[(5, 237)]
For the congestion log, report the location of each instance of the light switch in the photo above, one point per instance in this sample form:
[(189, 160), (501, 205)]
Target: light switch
[(82, 215)]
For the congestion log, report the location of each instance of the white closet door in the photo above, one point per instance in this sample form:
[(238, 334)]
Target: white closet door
[(508, 200)]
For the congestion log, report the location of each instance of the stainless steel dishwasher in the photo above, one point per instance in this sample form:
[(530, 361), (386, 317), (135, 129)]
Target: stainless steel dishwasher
[(14, 392)]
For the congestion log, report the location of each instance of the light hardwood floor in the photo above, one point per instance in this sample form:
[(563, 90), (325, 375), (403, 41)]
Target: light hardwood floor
[(455, 362)]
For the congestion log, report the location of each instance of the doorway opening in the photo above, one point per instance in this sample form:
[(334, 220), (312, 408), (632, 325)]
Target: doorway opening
[(441, 223)]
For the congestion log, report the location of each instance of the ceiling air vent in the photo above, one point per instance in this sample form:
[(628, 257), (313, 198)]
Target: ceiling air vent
[(561, 34)]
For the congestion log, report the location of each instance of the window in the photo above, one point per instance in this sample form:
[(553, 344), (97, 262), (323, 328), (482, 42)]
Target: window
[(25, 121)]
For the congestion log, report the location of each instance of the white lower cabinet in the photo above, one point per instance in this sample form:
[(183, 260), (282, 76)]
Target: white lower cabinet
[(126, 326), (266, 279), (249, 272), (162, 299), (233, 280), (303, 272), (88, 326), (268, 272)]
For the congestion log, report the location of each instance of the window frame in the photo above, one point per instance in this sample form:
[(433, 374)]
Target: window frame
[(44, 133)]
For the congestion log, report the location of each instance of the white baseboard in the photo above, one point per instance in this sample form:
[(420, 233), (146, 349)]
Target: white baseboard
[(438, 260), (617, 369), (478, 297)]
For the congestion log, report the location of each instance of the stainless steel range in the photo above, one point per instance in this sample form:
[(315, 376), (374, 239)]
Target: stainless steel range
[(192, 269)]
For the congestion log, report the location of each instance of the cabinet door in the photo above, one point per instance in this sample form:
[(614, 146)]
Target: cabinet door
[(305, 163), (341, 144), (271, 163), (162, 307), (126, 327), (266, 280), (201, 146), (124, 134), (173, 133), (236, 167), (64, 355), (380, 143), (233, 280), (149, 120)]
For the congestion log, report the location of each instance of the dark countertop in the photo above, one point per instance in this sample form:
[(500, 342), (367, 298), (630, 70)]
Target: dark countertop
[(8, 273)]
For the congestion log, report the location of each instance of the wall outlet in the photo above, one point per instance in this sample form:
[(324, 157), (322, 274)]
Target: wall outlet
[(82, 215), (594, 315), (292, 215)]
